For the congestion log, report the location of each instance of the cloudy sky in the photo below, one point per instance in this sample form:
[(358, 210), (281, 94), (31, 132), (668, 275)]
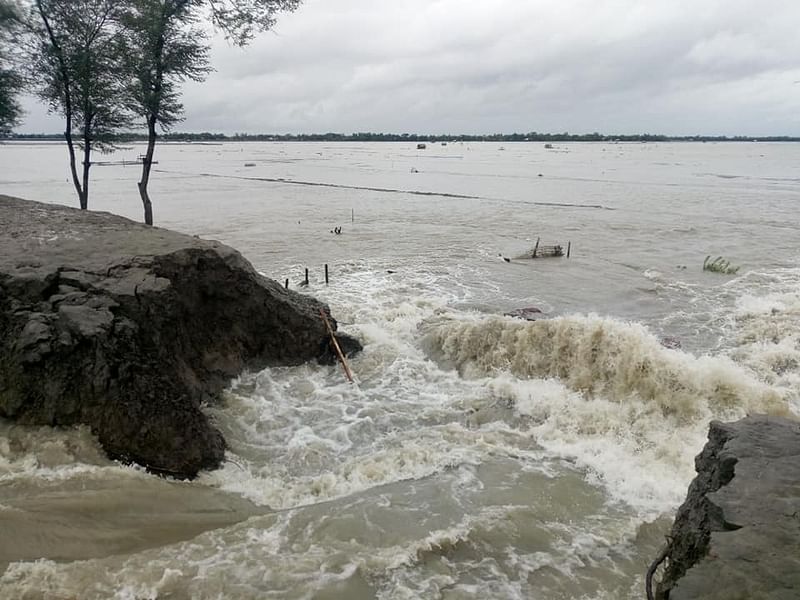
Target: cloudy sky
[(467, 66)]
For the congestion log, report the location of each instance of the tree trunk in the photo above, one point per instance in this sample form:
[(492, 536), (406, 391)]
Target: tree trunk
[(73, 167), (147, 164), (67, 103), (87, 153)]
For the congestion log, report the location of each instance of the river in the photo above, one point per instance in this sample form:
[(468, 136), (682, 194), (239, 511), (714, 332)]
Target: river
[(477, 456)]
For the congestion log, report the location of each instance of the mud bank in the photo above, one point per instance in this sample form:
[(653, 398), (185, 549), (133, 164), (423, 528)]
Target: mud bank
[(128, 329), (737, 535)]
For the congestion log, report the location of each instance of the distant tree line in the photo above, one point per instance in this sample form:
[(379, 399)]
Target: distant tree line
[(112, 66), (109, 66), (206, 136), (492, 137)]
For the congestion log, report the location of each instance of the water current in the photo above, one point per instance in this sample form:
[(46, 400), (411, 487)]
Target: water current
[(477, 456)]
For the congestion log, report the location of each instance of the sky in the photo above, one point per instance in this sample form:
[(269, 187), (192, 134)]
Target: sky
[(677, 67)]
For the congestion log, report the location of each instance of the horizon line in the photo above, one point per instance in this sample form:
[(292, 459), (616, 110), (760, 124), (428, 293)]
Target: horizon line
[(405, 136)]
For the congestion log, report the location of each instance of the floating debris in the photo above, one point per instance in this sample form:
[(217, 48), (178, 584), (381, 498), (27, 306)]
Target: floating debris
[(529, 313), (719, 265), (671, 342), (546, 251)]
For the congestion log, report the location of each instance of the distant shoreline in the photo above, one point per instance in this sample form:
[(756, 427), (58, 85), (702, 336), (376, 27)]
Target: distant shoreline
[(413, 137)]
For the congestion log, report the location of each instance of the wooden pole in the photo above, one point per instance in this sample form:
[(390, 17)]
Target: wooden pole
[(287, 284), (306, 275), (535, 248), (326, 273), (336, 347), (352, 215), (569, 246)]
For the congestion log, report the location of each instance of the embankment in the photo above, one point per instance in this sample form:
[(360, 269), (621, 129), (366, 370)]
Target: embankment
[(737, 535), (128, 329)]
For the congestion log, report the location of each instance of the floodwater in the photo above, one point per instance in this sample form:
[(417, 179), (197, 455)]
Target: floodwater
[(478, 456)]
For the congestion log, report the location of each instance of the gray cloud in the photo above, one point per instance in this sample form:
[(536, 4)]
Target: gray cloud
[(671, 66)]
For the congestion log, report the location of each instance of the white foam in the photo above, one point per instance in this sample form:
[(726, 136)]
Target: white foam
[(51, 455), (606, 393), (603, 357), (764, 330), (599, 391), (400, 459)]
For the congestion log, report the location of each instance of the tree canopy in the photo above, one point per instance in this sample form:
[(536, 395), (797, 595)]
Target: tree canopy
[(10, 79), (240, 20), (109, 65), (75, 53), (164, 48)]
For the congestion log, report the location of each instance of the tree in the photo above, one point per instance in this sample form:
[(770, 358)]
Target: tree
[(10, 110), (239, 20), (10, 80), (165, 48), (75, 55)]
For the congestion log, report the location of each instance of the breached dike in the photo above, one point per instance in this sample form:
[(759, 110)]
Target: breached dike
[(737, 535), (129, 329)]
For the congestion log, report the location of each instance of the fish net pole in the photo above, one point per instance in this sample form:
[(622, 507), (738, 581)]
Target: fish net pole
[(336, 347)]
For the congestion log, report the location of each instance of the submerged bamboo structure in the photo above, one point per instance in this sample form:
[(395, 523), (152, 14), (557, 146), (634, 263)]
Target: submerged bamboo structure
[(555, 250)]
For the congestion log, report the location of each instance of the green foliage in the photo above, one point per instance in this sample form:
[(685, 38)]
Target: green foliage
[(77, 61), (74, 54), (10, 80), (10, 110), (239, 20), (105, 64), (163, 49), (719, 265)]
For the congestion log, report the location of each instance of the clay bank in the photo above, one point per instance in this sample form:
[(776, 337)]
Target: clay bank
[(129, 329), (737, 535)]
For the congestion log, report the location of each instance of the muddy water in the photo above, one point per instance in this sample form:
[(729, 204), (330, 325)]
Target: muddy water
[(478, 456)]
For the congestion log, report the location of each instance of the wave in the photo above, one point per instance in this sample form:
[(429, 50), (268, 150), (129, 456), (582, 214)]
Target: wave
[(50, 454), (599, 356), (604, 394), (765, 332)]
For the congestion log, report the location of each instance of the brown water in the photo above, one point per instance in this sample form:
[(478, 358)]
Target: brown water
[(478, 456)]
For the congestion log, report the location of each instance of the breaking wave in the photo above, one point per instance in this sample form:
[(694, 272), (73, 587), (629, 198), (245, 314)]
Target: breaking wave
[(604, 394), (599, 356)]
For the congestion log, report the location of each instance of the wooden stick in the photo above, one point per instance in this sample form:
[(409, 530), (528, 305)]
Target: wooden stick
[(535, 248), (336, 346)]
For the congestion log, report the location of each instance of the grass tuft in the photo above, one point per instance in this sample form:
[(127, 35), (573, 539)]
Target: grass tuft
[(719, 265)]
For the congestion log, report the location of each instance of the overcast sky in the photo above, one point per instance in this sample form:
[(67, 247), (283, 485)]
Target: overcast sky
[(466, 66)]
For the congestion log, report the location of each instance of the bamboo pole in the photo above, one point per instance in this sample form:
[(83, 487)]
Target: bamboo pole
[(336, 347), (535, 248)]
